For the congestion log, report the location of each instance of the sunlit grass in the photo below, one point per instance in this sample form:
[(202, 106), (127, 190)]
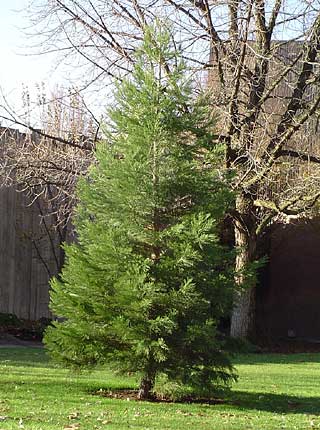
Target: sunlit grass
[(273, 392)]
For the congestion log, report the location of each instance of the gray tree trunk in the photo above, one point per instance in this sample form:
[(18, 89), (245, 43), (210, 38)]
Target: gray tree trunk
[(146, 386), (242, 319)]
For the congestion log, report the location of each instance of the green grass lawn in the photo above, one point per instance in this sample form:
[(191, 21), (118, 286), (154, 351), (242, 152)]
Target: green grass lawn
[(273, 392)]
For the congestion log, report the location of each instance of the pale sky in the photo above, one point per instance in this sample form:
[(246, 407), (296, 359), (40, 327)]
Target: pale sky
[(18, 67)]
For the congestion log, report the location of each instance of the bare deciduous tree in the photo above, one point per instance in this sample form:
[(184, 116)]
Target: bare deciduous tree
[(45, 164), (261, 57)]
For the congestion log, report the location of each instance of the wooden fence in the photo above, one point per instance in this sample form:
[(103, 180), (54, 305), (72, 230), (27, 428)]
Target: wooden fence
[(27, 254)]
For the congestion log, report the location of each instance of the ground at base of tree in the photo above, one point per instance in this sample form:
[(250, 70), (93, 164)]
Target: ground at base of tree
[(289, 346), (17, 329), (132, 395), (275, 391)]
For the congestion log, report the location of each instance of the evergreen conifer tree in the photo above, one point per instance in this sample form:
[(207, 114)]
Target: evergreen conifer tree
[(147, 280)]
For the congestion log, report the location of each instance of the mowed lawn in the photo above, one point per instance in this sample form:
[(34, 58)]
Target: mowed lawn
[(274, 392)]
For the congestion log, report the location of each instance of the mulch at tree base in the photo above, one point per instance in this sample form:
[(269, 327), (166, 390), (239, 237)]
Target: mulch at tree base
[(132, 395)]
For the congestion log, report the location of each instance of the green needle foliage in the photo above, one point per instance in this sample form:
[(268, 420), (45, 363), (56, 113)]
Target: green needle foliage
[(147, 280)]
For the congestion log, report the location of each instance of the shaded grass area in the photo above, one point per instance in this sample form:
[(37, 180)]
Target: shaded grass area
[(274, 392)]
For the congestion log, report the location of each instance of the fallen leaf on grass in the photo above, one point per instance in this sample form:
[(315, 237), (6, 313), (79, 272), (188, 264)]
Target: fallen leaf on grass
[(227, 415), (72, 427), (74, 415), (186, 414), (103, 420)]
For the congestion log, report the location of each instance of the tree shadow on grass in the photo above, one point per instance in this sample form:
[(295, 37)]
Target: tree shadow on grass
[(276, 403)]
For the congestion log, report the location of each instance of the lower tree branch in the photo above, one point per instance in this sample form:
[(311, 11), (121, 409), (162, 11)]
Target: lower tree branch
[(298, 154), (295, 206)]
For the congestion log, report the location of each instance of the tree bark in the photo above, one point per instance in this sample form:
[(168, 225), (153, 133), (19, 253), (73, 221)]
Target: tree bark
[(242, 319), (146, 385)]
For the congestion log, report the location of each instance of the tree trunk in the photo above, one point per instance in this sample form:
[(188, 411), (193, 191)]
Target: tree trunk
[(146, 385), (242, 319)]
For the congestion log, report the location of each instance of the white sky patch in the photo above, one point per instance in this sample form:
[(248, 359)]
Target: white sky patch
[(20, 67)]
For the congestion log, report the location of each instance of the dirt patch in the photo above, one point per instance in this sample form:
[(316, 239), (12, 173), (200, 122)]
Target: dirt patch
[(7, 340), (132, 395)]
